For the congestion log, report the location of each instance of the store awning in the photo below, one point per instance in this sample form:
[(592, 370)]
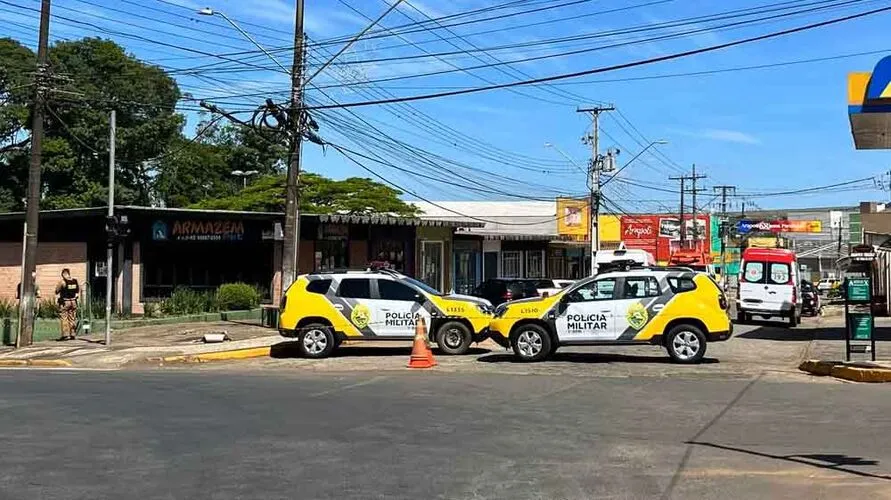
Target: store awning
[(392, 220), (492, 235)]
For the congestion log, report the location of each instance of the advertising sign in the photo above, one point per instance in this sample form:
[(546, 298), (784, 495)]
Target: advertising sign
[(660, 235), (572, 218), (640, 232), (198, 230), (779, 226)]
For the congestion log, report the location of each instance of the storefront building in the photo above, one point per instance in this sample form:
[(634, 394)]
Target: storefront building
[(199, 249)]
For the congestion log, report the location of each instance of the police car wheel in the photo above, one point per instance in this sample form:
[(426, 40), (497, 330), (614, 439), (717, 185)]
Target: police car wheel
[(531, 343), (454, 338), (316, 341), (685, 344)]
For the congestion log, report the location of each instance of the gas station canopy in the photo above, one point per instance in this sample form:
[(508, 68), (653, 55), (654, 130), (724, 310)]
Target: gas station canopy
[(869, 106)]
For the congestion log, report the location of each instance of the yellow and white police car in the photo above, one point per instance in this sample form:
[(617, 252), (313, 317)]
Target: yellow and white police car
[(322, 310), (680, 310)]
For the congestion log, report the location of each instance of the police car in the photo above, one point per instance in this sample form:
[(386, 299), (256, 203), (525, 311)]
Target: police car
[(678, 309), (322, 310)]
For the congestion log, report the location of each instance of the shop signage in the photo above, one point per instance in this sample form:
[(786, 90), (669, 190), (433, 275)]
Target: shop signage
[(858, 289), (861, 326), (572, 218), (863, 253), (197, 230), (661, 235), (779, 226), (334, 231)]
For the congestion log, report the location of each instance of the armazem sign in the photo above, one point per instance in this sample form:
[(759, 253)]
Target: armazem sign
[(779, 226), (197, 230)]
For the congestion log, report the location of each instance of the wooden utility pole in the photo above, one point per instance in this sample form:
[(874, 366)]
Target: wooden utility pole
[(595, 166), (724, 226), (695, 191), (683, 228), (32, 202), (291, 243)]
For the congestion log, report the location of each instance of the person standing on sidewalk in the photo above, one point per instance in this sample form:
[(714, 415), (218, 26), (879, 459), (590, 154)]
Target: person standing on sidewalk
[(67, 291)]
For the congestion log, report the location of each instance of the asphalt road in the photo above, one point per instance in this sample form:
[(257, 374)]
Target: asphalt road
[(227, 435)]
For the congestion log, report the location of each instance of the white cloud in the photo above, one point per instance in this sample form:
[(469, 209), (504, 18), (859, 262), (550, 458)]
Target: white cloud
[(729, 136)]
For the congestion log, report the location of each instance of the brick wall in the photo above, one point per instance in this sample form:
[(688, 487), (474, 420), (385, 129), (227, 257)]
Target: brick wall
[(51, 259)]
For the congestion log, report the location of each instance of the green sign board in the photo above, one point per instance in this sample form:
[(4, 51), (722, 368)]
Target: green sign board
[(861, 326), (858, 290)]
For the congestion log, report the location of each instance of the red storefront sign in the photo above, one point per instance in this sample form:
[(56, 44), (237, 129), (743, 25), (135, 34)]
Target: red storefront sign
[(660, 234)]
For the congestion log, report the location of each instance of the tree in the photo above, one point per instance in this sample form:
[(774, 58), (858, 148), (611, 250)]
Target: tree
[(318, 195), (17, 62), (90, 77)]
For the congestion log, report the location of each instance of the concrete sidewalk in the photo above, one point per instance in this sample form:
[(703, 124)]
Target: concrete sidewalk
[(145, 345)]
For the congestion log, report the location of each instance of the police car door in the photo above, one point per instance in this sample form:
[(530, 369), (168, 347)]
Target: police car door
[(399, 307), (589, 312), (639, 299)]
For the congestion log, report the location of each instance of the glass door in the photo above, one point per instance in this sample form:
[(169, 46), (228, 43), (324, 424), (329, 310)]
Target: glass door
[(431, 263)]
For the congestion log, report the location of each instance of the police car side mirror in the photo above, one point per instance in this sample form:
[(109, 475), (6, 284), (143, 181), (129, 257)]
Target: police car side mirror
[(420, 299)]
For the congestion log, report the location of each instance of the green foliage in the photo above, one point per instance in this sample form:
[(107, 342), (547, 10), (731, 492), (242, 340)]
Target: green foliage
[(237, 297), (102, 76), (149, 310), (318, 195), (47, 308), (97, 306), (8, 308), (184, 301)]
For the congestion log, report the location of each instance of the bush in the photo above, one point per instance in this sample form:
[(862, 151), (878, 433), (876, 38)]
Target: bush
[(47, 308), (237, 297), (149, 310), (185, 301), (8, 308)]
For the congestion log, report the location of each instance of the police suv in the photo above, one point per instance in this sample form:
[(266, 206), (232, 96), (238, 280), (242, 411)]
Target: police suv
[(322, 310), (676, 308)]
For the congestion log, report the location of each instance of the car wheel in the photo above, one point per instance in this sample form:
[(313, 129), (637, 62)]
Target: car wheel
[(454, 338), (531, 343), (685, 344), (316, 341)]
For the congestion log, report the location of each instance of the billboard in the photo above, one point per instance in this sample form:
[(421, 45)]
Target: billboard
[(661, 235), (779, 226), (572, 218)]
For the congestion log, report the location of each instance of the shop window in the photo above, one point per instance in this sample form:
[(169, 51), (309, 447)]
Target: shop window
[(389, 254), (331, 255), (535, 264), (511, 264)]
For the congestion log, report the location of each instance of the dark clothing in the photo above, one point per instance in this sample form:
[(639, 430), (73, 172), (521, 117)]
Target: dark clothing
[(68, 289)]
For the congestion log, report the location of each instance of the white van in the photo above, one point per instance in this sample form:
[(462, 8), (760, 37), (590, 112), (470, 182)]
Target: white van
[(633, 256), (769, 285)]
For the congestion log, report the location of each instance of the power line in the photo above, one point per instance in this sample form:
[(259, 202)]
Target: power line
[(642, 62)]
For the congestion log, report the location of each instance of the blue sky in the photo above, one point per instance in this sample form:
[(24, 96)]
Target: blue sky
[(761, 130)]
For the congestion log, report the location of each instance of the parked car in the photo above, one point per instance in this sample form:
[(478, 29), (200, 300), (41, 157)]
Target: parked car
[(682, 311), (548, 286), (501, 290), (825, 285), (810, 299), (769, 285), (323, 310)]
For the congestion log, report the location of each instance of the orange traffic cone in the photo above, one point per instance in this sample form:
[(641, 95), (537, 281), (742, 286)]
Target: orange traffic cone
[(421, 355)]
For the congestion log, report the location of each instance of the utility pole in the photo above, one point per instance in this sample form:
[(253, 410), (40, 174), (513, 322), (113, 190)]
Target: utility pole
[(34, 186), (595, 166), (725, 221), (695, 191), (109, 258), (291, 243), (683, 228)]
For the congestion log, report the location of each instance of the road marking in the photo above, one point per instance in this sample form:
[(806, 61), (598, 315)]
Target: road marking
[(349, 386)]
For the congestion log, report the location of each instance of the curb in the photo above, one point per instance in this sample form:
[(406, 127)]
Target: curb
[(252, 352), (45, 363), (844, 371)]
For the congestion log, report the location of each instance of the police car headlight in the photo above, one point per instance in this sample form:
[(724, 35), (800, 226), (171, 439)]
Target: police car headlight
[(500, 310), (484, 308)]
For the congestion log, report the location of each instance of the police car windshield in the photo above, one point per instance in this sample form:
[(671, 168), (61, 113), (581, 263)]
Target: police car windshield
[(423, 286)]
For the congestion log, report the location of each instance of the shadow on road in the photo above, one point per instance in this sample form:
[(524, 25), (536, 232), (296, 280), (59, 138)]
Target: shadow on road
[(286, 350), (588, 357), (834, 462)]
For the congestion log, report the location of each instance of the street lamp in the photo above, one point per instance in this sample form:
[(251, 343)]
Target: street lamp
[(642, 151), (207, 11), (564, 155), (244, 174)]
